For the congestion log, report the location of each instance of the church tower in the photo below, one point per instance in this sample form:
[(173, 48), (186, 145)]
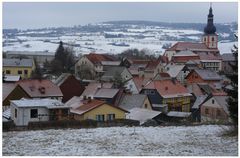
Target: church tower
[(210, 38)]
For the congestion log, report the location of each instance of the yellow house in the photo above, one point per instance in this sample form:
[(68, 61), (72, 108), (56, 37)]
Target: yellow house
[(178, 103), (98, 110), (19, 67), (170, 92)]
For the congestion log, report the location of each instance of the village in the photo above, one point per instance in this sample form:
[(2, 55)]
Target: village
[(188, 84)]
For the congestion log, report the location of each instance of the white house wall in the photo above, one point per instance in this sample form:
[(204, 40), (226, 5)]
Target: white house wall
[(23, 115), (132, 87)]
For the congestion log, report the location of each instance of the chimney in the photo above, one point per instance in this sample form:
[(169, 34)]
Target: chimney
[(173, 81), (89, 99), (42, 90)]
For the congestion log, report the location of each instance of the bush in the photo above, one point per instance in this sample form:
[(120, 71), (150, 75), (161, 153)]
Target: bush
[(149, 123), (7, 126), (62, 124)]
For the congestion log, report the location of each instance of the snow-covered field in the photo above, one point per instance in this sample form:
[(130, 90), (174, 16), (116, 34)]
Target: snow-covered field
[(85, 42), (202, 140)]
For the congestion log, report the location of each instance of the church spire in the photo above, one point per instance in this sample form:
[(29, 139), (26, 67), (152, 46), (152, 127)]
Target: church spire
[(210, 28)]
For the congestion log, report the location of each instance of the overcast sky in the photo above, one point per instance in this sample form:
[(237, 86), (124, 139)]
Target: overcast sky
[(37, 15)]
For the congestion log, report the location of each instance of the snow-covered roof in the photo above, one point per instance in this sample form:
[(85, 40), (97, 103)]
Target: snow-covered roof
[(18, 62), (48, 103), (131, 101), (185, 53), (61, 78), (111, 63), (206, 74), (106, 93), (74, 102), (174, 70), (33, 53), (11, 78), (178, 114), (92, 88), (228, 57), (222, 101), (200, 99), (7, 114), (142, 115)]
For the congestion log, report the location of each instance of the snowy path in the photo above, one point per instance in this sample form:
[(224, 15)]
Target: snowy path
[(160, 141)]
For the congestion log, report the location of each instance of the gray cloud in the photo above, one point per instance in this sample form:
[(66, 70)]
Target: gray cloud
[(42, 14)]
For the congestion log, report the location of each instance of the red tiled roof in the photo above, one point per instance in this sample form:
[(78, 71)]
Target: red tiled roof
[(140, 82), (92, 88), (209, 56), (40, 88), (152, 65), (164, 74), (92, 104), (136, 61), (217, 92), (7, 88), (97, 58), (167, 87), (184, 59), (195, 89), (190, 46)]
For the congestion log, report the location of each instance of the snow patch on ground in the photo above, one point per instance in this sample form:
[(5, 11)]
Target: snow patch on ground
[(203, 140)]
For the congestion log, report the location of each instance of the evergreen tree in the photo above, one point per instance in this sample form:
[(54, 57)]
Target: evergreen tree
[(60, 53), (37, 73), (63, 61), (118, 80), (233, 93), (69, 59)]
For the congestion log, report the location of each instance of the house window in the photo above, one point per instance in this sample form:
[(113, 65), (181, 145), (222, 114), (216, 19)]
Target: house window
[(212, 38), (110, 117), (8, 72), (34, 113), (19, 72), (152, 92), (206, 111), (25, 72), (213, 101), (15, 113), (100, 117)]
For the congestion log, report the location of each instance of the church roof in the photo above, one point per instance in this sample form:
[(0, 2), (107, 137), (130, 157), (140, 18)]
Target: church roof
[(210, 28)]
